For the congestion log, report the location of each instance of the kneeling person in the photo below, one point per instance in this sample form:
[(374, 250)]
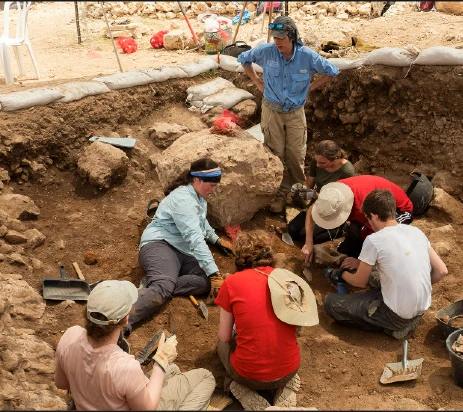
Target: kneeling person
[(101, 376), (407, 266), (263, 305)]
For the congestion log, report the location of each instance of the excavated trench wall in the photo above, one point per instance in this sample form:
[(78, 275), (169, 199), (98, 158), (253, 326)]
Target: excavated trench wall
[(385, 117)]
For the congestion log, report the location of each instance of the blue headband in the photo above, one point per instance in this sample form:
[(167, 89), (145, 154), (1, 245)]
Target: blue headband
[(212, 176)]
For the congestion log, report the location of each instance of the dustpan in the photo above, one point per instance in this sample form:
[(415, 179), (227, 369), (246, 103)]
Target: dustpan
[(402, 371)]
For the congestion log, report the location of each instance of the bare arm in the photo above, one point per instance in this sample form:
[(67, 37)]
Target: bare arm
[(61, 381), (307, 249), (226, 325), (360, 277), (249, 70), (148, 398), (438, 267), (320, 82), (310, 182)]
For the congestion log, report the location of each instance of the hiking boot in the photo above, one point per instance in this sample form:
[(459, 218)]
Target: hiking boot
[(278, 205), (402, 333), (298, 201), (286, 397), (250, 400)]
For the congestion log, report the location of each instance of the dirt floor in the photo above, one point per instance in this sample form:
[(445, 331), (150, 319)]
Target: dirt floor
[(340, 367)]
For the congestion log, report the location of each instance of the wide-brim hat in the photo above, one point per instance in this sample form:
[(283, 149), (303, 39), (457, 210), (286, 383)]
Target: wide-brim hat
[(292, 298), (333, 206)]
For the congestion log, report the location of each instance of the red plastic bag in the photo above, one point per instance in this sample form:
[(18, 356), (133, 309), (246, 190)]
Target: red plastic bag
[(226, 123), (232, 231), (426, 5), (157, 40), (276, 5), (127, 44)]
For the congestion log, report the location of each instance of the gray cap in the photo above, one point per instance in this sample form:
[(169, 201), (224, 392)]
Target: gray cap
[(287, 21)]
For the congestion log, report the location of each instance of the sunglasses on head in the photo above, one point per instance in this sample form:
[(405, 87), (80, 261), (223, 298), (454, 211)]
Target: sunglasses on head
[(279, 26)]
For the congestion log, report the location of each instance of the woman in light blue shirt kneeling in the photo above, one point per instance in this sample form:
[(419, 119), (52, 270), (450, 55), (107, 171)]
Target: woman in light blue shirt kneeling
[(173, 251)]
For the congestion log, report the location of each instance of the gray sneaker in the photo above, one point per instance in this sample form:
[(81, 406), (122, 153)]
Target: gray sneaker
[(278, 205), (250, 400), (286, 397), (402, 333)]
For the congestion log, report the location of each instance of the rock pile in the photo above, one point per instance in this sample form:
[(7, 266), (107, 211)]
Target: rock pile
[(300, 10)]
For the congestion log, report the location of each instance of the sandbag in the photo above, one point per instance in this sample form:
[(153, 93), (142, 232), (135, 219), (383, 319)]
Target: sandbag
[(440, 56), (125, 80), (392, 56), (78, 90), (174, 72), (200, 91), (155, 74), (227, 98), (346, 64), (28, 98), (449, 7), (201, 66)]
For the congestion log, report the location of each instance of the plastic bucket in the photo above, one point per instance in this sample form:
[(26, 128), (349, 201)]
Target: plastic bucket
[(456, 361), (214, 41), (452, 310)]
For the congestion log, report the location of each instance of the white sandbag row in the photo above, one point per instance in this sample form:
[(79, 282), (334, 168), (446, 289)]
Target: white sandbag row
[(69, 92), (217, 92), (404, 57)]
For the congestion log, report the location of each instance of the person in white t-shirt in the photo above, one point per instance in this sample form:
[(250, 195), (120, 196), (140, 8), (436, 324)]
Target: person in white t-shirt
[(407, 266), (101, 376)]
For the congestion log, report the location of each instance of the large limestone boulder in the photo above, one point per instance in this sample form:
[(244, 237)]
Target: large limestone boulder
[(164, 134), (251, 174), (103, 164)]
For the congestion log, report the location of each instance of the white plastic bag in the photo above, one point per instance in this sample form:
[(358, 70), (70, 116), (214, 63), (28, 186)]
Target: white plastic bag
[(125, 80), (28, 98), (200, 91), (203, 65), (155, 74), (78, 90), (346, 64), (227, 97), (392, 56), (173, 72), (440, 56)]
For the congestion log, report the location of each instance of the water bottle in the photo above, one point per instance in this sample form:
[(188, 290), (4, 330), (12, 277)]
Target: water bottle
[(341, 288)]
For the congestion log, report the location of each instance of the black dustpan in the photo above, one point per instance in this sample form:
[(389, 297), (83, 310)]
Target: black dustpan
[(65, 289)]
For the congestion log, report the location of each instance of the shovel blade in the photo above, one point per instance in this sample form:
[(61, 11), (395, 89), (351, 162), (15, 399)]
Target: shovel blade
[(395, 372), (204, 310)]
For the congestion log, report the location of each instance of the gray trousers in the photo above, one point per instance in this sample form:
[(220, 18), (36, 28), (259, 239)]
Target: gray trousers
[(364, 310), (168, 273), (224, 350)]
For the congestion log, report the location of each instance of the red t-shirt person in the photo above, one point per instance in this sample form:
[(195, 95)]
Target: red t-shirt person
[(363, 185), (266, 347)]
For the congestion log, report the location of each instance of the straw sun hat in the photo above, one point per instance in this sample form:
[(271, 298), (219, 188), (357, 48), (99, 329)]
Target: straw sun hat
[(333, 206), (292, 298)]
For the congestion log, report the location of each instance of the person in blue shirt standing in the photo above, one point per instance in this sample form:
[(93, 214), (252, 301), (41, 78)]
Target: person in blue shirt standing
[(173, 251), (288, 66)]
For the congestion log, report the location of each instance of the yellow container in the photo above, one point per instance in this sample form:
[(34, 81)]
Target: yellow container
[(215, 41)]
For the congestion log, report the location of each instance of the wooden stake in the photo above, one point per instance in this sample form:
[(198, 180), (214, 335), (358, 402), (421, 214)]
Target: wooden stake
[(239, 21), (270, 19)]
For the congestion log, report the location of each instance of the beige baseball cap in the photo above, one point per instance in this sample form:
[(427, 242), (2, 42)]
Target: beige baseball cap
[(113, 299), (333, 206)]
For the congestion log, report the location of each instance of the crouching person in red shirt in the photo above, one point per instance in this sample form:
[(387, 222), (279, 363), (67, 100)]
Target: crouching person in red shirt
[(260, 308)]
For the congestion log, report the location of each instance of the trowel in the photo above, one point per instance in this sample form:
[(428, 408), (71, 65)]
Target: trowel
[(406, 370), (201, 305), (125, 142)]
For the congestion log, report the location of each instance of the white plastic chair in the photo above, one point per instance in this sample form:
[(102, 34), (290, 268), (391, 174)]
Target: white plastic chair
[(22, 38)]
